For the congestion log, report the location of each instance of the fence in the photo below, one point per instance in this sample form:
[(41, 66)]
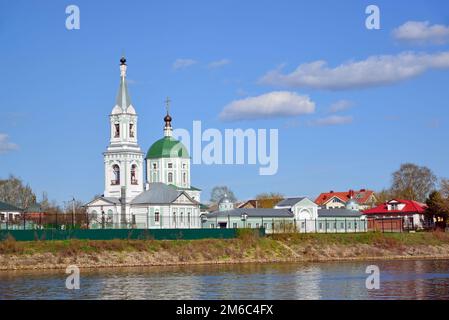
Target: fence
[(45, 221)]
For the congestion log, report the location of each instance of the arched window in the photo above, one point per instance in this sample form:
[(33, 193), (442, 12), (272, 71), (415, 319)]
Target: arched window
[(184, 177), (117, 130), (134, 174), (116, 171), (131, 130), (156, 216), (170, 177)]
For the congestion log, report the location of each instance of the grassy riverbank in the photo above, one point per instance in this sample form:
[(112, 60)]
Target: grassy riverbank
[(246, 248)]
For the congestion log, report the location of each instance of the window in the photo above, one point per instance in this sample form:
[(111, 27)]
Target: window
[(303, 225), (116, 173), (212, 226), (257, 226), (342, 225), (174, 218), (170, 177), (2, 217), (131, 130), (170, 165), (182, 217), (265, 225), (249, 225), (184, 177), (110, 215), (133, 174), (188, 218), (355, 225), (154, 165), (335, 225), (156, 217), (184, 165), (234, 225), (320, 226), (117, 130), (349, 225)]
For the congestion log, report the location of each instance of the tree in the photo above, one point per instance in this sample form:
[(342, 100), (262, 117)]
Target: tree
[(383, 196), (219, 192), (13, 191), (413, 182), (268, 199), (444, 188), (437, 207)]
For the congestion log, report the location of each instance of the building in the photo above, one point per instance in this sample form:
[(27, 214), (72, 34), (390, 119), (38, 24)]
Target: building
[(398, 215), (365, 199), (259, 203), (9, 215), (150, 192), (304, 210), (341, 221)]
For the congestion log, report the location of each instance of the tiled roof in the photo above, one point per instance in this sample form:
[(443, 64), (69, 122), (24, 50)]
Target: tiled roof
[(361, 196), (410, 207)]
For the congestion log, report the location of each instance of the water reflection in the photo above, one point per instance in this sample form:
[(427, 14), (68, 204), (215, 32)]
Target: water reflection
[(423, 279)]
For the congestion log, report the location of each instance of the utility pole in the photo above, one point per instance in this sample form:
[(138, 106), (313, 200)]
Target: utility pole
[(73, 212)]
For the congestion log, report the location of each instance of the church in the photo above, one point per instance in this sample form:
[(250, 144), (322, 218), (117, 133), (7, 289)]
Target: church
[(144, 192)]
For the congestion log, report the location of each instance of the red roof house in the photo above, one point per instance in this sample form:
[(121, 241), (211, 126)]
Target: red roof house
[(398, 215), (364, 198)]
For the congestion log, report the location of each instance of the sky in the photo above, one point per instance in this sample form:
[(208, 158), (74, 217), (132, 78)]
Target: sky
[(350, 103)]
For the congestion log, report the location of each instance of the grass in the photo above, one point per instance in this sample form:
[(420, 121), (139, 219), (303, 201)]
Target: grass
[(246, 245)]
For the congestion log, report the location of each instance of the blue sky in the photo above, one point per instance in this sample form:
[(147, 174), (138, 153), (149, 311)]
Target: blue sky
[(59, 86)]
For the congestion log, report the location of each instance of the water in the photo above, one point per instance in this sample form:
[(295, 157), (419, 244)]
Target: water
[(417, 279)]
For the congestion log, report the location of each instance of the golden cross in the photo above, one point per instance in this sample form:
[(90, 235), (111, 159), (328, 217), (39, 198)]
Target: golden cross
[(167, 104)]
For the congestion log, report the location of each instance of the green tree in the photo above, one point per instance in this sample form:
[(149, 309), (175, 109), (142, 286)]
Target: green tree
[(438, 207)]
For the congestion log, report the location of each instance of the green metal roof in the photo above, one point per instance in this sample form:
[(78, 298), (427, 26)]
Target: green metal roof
[(167, 147), (8, 207), (192, 188)]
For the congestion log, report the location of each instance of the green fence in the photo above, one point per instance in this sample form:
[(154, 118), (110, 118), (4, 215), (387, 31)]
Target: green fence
[(135, 234)]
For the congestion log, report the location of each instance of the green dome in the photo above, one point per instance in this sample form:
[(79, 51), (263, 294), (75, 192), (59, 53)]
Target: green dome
[(167, 147)]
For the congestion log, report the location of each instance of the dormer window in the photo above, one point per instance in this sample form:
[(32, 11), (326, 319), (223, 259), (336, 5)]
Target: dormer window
[(117, 130)]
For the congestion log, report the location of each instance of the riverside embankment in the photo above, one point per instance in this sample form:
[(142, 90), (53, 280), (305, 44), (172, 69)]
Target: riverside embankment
[(247, 248)]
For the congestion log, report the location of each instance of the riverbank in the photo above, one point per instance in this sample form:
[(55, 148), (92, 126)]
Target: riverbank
[(247, 248)]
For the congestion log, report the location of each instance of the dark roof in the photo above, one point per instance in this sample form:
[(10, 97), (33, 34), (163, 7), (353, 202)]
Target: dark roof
[(8, 207), (277, 213), (289, 202), (337, 213), (159, 193)]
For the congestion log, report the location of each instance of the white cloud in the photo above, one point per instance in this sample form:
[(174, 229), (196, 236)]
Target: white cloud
[(269, 105), (218, 63), (340, 106), (5, 145), (374, 71), (422, 32), (332, 121), (183, 63)]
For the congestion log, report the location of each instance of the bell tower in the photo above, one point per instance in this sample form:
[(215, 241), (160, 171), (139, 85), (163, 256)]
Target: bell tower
[(123, 159)]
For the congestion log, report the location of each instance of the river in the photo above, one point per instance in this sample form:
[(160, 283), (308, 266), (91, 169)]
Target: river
[(399, 279)]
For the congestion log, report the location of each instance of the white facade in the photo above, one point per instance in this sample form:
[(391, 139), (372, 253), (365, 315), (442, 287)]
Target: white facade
[(165, 200), (123, 159)]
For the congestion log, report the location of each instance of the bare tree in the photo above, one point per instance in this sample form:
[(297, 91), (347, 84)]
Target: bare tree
[(218, 192), (413, 182), (13, 191), (444, 188), (268, 199)]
